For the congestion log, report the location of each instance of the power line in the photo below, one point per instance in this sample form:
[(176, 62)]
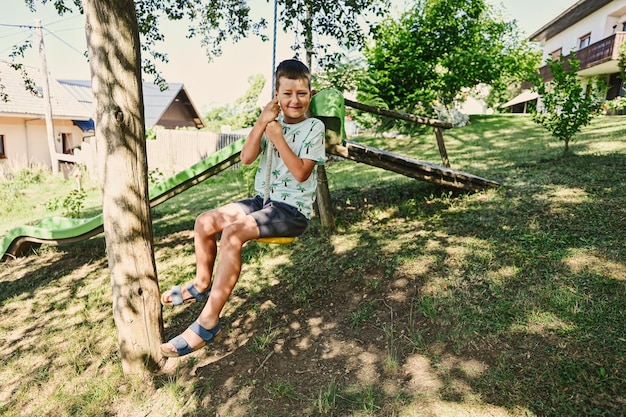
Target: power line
[(64, 42), (17, 26), (28, 28)]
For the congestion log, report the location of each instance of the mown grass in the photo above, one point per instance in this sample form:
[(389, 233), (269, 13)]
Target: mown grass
[(423, 302)]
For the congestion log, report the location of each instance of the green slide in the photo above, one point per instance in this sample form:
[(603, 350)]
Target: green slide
[(60, 230)]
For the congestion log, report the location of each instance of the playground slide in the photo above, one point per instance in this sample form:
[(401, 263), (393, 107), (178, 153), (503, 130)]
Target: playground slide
[(61, 230)]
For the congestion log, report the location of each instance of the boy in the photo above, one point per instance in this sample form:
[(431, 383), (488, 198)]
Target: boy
[(297, 148)]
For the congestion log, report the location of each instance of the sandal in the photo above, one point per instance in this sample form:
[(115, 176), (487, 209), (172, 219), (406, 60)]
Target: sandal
[(176, 295), (182, 346)]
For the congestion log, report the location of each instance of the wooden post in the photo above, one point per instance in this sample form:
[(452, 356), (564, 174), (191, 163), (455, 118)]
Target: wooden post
[(442, 147), (324, 206), (323, 201), (54, 160)]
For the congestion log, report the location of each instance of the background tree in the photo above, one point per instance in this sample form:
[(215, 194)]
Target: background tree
[(522, 68), (339, 71), (621, 62), (242, 113), (435, 50), (565, 105), (340, 22)]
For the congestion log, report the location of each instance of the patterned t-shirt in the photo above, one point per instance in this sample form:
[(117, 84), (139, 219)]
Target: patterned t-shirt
[(306, 139)]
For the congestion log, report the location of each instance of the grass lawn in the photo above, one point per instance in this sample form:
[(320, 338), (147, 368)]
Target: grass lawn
[(424, 302)]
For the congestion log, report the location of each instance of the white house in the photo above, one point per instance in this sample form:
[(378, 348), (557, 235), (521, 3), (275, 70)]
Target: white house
[(592, 30), (23, 130)]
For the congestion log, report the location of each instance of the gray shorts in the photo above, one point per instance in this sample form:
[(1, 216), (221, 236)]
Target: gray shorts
[(275, 218)]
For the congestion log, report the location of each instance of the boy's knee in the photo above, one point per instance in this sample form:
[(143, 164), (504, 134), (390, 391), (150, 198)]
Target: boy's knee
[(233, 234), (204, 222)]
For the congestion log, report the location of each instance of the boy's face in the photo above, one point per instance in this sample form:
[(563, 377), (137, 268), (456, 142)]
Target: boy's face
[(294, 97)]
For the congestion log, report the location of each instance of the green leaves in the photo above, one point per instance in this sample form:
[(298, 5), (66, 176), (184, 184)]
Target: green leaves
[(440, 47), (344, 21), (243, 113)]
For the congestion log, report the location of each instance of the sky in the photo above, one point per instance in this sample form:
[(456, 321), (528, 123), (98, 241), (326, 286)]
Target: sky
[(209, 84)]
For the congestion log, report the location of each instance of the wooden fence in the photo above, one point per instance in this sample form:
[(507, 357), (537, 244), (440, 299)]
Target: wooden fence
[(172, 151), (175, 150)]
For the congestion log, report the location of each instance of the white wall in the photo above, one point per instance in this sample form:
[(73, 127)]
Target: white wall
[(25, 141)]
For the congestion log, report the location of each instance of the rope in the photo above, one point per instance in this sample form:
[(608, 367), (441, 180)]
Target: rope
[(268, 174), (270, 145), (270, 150), (277, 240), (274, 49)]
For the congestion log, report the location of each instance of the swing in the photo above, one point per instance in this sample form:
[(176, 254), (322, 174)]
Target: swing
[(276, 240)]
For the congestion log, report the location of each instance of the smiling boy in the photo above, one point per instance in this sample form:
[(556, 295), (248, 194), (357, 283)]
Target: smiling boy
[(298, 147)]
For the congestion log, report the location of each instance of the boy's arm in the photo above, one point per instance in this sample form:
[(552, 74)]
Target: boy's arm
[(300, 168), (252, 146)]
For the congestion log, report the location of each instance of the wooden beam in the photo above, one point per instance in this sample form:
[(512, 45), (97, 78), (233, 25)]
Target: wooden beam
[(398, 115)]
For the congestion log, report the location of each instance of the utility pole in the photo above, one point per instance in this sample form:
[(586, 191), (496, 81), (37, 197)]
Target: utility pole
[(46, 99)]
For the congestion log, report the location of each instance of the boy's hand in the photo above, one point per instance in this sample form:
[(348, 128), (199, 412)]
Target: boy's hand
[(274, 131), (270, 111)]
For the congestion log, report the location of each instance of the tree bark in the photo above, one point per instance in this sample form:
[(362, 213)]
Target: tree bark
[(115, 62)]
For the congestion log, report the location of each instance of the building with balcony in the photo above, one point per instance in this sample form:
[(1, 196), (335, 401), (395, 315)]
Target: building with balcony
[(591, 30)]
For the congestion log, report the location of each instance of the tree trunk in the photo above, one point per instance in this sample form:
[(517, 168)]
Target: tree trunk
[(114, 57)]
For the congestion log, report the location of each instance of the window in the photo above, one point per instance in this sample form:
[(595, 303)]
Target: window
[(556, 54), (3, 154), (67, 143), (624, 27), (584, 41)]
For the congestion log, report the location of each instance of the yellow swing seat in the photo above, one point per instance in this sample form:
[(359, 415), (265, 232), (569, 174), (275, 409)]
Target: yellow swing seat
[(277, 240)]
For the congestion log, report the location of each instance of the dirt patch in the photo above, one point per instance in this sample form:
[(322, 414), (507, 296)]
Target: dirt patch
[(290, 359)]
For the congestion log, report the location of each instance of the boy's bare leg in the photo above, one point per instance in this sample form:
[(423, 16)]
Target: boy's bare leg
[(206, 228), (226, 275)]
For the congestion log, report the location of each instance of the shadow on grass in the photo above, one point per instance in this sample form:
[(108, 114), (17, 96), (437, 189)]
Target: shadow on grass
[(470, 301), (505, 302), (543, 291)]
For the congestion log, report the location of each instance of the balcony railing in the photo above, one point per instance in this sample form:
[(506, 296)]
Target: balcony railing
[(595, 54)]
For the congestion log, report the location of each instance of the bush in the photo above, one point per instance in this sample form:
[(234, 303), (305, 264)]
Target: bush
[(565, 106), (615, 106), (71, 205), (453, 116)]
